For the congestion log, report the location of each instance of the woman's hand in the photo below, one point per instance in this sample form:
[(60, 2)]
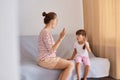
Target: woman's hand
[(69, 59), (57, 43), (62, 34)]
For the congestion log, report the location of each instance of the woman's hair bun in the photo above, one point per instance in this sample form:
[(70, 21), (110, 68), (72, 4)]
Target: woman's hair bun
[(44, 14)]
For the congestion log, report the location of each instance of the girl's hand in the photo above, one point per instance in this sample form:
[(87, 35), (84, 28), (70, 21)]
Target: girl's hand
[(84, 40), (62, 34)]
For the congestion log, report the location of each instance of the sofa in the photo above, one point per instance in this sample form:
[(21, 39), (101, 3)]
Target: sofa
[(29, 70)]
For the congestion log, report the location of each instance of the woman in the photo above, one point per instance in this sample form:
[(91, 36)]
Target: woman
[(47, 48)]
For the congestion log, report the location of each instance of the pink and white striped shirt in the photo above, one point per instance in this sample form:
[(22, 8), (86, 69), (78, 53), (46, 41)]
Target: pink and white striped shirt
[(45, 43)]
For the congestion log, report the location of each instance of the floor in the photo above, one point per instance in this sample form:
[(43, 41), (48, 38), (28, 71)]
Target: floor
[(106, 78)]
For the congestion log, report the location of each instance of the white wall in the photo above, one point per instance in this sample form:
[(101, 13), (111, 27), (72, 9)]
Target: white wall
[(9, 60), (70, 13)]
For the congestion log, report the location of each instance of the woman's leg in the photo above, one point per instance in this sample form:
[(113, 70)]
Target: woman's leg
[(86, 72), (67, 66), (78, 70)]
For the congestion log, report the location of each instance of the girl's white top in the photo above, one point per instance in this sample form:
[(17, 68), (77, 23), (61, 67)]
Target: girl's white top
[(79, 49)]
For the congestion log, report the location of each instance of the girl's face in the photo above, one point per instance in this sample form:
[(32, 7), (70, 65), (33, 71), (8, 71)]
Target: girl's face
[(80, 38), (54, 22)]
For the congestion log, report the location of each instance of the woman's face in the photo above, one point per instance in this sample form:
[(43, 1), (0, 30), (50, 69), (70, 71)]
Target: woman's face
[(54, 22)]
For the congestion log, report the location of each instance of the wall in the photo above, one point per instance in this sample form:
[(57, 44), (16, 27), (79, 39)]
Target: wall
[(117, 8), (70, 14), (102, 21), (9, 57)]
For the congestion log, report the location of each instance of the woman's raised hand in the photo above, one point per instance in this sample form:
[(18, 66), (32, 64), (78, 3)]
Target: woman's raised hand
[(62, 34)]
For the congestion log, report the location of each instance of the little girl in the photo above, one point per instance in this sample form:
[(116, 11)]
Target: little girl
[(81, 50)]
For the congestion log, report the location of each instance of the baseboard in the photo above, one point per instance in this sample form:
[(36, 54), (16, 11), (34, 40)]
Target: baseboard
[(115, 77)]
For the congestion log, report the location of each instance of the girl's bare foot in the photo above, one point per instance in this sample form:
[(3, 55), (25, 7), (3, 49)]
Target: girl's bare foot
[(85, 78), (78, 78)]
